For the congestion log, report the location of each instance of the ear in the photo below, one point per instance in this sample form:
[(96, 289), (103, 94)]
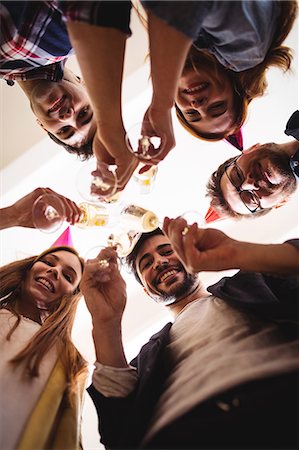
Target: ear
[(251, 149), (146, 291), (40, 124), (283, 202)]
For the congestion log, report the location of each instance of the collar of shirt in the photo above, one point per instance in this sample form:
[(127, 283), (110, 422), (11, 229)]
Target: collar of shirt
[(52, 72)]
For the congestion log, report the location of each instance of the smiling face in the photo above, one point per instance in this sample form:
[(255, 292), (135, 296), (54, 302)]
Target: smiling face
[(161, 272), (53, 276), (63, 108), (206, 99), (263, 169)]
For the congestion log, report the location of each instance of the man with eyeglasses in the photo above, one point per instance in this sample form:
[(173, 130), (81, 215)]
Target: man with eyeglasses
[(263, 177)]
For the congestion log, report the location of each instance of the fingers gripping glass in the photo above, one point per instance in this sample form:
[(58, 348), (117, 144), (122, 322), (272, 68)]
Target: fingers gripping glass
[(249, 198), (145, 145)]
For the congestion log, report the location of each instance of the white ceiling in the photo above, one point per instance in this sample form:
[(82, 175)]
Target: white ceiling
[(179, 186)]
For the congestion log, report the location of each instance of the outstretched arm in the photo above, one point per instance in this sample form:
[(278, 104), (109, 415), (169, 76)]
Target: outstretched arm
[(104, 291), (20, 213), (168, 52), (212, 250), (100, 52)]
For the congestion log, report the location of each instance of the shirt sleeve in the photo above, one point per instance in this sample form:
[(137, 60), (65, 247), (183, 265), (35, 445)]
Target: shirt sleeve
[(185, 17), (113, 381), (111, 14)]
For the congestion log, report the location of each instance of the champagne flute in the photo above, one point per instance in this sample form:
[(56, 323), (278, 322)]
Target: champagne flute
[(97, 184), (144, 146), (146, 179), (48, 214), (192, 216)]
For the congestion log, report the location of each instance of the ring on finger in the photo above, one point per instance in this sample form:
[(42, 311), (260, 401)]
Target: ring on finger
[(185, 231), (103, 263)]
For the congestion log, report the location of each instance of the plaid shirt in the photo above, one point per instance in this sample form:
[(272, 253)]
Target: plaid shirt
[(34, 40)]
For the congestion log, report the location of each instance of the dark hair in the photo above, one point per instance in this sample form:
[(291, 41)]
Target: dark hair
[(218, 201), (84, 152), (130, 260)]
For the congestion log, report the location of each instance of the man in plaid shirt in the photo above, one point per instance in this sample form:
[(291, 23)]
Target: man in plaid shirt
[(33, 52)]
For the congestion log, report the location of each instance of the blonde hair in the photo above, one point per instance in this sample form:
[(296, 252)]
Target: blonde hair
[(250, 83), (55, 331)]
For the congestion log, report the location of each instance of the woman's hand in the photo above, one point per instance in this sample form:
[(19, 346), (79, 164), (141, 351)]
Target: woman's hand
[(103, 288), (158, 122)]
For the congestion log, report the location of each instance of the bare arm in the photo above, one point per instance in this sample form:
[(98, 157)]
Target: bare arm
[(100, 52), (104, 291), (212, 250), (168, 52), (20, 213)]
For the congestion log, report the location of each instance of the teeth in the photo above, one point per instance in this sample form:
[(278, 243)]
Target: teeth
[(57, 105), (200, 87), (167, 274), (46, 283)]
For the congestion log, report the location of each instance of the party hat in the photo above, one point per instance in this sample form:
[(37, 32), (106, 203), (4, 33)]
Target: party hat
[(236, 139), (65, 239), (212, 216)]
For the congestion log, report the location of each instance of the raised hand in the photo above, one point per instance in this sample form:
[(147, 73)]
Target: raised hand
[(103, 288), (20, 213), (201, 249)]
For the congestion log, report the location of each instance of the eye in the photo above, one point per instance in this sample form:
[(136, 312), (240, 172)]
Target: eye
[(83, 112), (167, 252), (190, 113), (48, 262), (145, 265), (63, 130), (68, 277)]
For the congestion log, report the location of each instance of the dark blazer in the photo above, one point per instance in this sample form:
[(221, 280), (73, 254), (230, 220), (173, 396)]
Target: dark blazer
[(124, 421)]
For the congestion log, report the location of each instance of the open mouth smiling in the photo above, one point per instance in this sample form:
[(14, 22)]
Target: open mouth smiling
[(196, 89), (167, 275), (57, 105), (46, 283)]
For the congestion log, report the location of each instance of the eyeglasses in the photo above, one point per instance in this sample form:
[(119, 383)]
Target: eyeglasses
[(249, 198)]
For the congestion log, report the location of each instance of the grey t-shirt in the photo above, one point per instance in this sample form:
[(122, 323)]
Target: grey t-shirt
[(237, 33)]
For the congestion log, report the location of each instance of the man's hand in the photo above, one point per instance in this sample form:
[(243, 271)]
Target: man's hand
[(201, 249), (20, 213), (111, 149)]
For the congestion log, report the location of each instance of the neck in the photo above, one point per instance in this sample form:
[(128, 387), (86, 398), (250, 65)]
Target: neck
[(27, 308), (198, 293), (28, 86), (290, 147)]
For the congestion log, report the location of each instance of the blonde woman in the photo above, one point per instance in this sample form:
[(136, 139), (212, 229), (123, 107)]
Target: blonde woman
[(42, 373)]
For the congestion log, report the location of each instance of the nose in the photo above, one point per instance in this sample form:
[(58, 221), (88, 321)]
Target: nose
[(54, 272), (200, 104), (66, 112), (160, 261), (250, 183)]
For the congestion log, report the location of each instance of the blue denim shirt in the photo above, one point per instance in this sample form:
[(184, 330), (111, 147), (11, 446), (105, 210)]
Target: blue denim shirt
[(237, 33)]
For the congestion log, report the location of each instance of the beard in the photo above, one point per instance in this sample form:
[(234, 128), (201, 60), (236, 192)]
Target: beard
[(178, 291), (280, 161)]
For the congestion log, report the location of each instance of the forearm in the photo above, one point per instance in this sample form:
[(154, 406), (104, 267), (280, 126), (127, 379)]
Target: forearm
[(8, 218), (108, 345), (168, 52), (268, 258), (100, 52)]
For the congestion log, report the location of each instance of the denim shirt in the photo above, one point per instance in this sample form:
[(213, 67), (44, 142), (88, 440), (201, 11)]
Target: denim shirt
[(237, 33)]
